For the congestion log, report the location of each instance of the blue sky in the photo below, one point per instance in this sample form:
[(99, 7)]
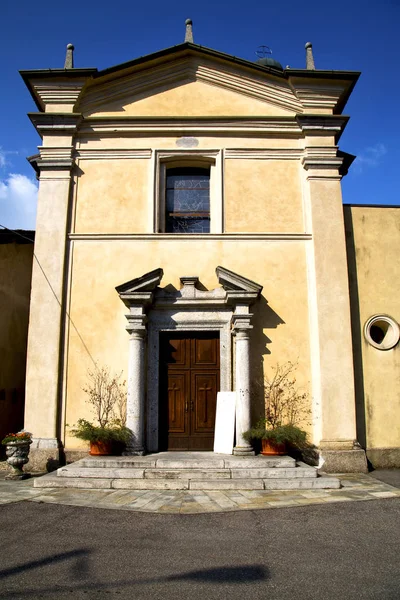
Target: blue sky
[(346, 35)]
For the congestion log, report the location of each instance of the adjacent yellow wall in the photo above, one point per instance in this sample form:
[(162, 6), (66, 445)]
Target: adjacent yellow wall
[(373, 252), (98, 314), (15, 288)]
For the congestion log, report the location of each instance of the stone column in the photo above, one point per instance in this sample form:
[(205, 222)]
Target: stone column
[(242, 329), (135, 407)]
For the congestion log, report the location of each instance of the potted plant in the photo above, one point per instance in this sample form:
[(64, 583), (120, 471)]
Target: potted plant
[(17, 451), (286, 407), (107, 397)]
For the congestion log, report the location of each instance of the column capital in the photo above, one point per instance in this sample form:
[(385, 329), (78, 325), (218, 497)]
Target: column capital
[(241, 325), (137, 325)]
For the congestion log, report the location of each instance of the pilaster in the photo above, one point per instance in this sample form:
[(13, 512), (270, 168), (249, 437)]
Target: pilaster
[(330, 307), (46, 310)]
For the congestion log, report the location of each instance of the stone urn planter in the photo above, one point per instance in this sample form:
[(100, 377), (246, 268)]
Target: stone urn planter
[(17, 456)]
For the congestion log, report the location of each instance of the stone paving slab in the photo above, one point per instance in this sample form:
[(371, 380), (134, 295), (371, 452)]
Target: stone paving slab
[(355, 488)]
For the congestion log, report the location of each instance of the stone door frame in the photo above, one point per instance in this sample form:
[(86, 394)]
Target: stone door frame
[(153, 309)]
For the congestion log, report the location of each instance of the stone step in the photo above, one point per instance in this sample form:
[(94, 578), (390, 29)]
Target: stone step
[(53, 481), (319, 483), (178, 461), (138, 473), (298, 472)]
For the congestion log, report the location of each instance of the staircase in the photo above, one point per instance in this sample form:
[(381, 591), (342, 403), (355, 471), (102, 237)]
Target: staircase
[(187, 471)]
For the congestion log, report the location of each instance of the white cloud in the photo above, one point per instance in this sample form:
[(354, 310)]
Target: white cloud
[(3, 157), (371, 157), (18, 199)]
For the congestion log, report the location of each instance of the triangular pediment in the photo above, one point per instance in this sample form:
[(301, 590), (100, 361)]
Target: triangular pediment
[(231, 281), (145, 283), (189, 84)]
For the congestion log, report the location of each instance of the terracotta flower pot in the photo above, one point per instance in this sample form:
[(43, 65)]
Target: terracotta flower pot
[(101, 448), (270, 448)]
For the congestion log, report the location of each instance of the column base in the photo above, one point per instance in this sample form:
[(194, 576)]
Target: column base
[(134, 451), (243, 451), (344, 461)]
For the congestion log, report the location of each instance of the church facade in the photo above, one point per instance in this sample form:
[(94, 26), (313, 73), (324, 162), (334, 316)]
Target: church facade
[(192, 200)]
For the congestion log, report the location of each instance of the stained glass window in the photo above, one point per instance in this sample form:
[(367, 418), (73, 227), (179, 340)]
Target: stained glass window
[(188, 200)]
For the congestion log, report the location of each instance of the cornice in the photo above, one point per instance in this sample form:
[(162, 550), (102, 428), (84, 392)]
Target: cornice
[(48, 86), (55, 122), (307, 86), (321, 157), (175, 127), (323, 125), (55, 158)]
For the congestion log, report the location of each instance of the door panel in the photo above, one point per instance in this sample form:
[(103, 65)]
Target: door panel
[(189, 382), (203, 404), (177, 402), (204, 352)]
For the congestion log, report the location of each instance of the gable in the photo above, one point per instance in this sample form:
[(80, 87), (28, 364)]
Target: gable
[(189, 87)]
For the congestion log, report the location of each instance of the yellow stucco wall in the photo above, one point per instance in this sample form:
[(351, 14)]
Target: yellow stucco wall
[(119, 195), (112, 196), (375, 289), (263, 195), (98, 314)]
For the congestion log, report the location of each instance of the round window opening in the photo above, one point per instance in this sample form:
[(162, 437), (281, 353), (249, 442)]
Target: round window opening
[(382, 332)]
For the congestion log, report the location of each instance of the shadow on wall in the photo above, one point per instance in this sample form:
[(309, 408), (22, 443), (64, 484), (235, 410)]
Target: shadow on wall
[(264, 318), (356, 332)]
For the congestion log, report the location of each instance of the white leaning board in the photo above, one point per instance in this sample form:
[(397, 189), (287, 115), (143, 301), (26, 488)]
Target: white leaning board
[(225, 422)]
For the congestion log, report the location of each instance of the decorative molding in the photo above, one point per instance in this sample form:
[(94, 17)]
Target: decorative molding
[(61, 91), (312, 125), (123, 89), (111, 153), (55, 158), (321, 157), (55, 122), (191, 126), (318, 94), (278, 237), (264, 153)]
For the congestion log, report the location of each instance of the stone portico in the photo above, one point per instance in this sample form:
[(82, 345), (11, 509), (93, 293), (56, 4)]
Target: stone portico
[(153, 310)]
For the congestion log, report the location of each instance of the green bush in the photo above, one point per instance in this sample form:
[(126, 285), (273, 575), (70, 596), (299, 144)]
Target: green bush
[(84, 430), (282, 434)]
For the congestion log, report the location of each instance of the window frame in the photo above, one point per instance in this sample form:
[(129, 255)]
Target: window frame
[(211, 160)]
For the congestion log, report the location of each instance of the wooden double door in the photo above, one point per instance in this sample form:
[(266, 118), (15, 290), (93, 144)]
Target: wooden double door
[(189, 382)]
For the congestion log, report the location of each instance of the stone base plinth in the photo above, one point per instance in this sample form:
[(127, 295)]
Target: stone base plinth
[(43, 459), (243, 451), (44, 455), (134, 452), (384, 458), (74, 455), (344, 461)]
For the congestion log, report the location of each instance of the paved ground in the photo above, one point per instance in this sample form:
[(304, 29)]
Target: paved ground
[(346, 550), (355, 488)]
